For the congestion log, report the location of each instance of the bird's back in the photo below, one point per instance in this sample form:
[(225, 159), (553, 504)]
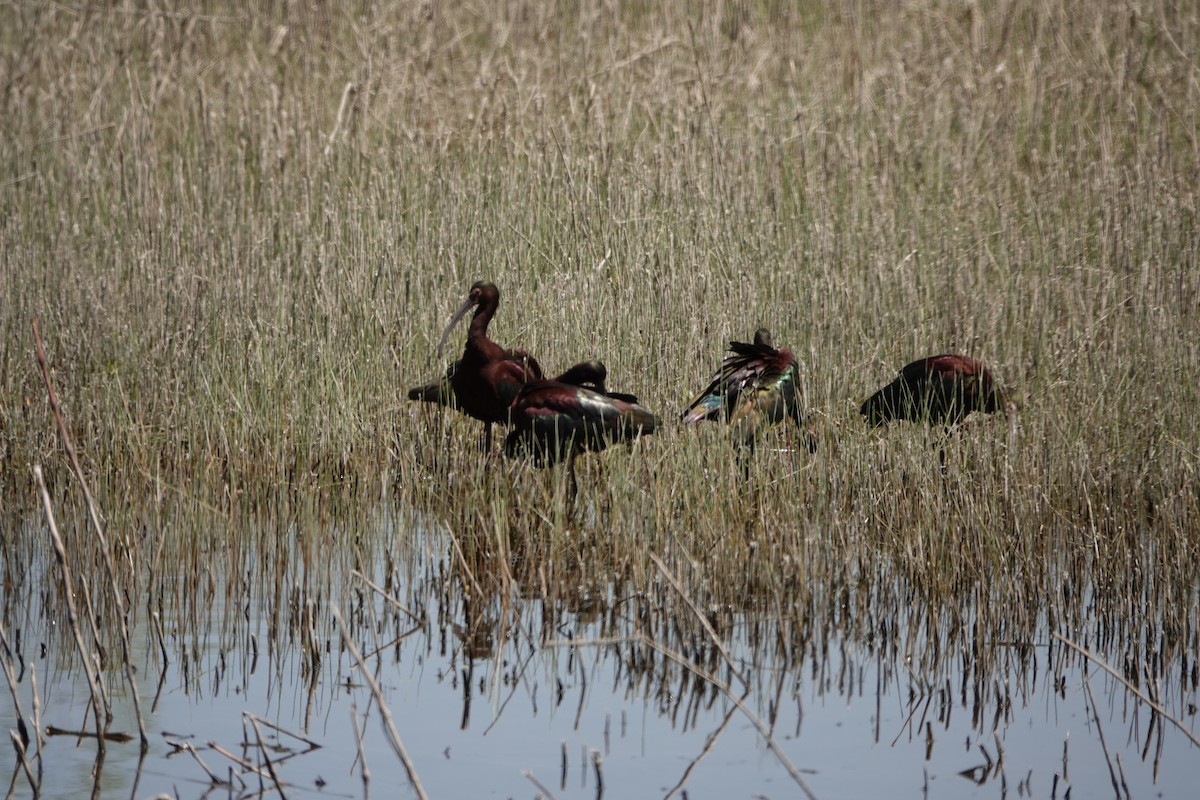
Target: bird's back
[(938, 389), (756, 386), (521, 365), (551, 419), (485, 388)]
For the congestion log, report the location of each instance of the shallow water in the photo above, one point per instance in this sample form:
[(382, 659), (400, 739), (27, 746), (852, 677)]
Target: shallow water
[(511, 697)]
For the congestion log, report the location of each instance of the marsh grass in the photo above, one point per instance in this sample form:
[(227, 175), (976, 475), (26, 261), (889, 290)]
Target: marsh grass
[(243, 231)]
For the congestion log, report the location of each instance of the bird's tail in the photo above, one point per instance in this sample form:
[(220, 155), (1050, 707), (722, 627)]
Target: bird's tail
[(885, 405), (439, 392)]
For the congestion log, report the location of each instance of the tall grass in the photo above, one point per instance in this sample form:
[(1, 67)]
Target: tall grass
[(243, 230)]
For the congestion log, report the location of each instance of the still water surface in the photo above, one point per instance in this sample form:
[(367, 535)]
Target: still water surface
[(507, 697)]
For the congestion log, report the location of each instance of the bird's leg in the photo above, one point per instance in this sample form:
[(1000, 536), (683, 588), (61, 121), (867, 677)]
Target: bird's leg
[(744, 460), (572, 486), (810, 438), (949, 430), (487, 437)]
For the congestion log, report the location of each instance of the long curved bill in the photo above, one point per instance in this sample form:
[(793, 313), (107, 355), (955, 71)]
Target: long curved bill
[(458, 315)]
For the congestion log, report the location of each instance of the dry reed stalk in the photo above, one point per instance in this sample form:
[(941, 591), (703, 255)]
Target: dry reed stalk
[(1112, 773), (212, 776), (312, 745), (755, 720), (98, 698), (725, 689), (597, 762), (364, 770), (1156, 707), (389, 726), (347, 92), (241, 762), (382, 593), (528, 775), (704, 623), (709, 744), (19, 746), (265, 751), (37, 719), (462, 560), (22, 728), (94, 514)]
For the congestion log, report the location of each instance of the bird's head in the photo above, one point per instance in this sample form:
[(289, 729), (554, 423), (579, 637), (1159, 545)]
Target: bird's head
[(483, 294), (762, 337), (589, 374)]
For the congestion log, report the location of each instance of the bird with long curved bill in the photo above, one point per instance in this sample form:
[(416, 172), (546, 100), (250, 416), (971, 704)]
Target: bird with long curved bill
[(755, 387), (555, 421), (487, 378)]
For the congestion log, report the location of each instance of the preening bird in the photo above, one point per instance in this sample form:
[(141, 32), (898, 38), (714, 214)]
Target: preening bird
[(555, 421), (754, 388), (940, 390)]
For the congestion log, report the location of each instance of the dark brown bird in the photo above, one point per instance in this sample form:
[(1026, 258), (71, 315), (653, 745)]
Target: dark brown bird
[(487, 378), (589, 374), (555, 421), (754, 388), (940, 390)]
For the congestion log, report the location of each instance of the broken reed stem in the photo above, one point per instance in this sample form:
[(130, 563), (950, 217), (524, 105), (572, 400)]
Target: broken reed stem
[(212, 776), (385, 713), (362, 751), (708, 747), (156, 621), (727, 690), (241, 762), (597, 761), (60, 555), (19, 745), (262, 747), (703, 674), (94, 514), (280, 729), (382, 593), (1112, 773), (763, 730), (708, 628), (528, 775), (37, 720), (22, 727), (1095, 659)]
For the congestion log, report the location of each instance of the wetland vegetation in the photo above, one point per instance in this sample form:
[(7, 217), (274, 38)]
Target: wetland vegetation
[(242, 231)]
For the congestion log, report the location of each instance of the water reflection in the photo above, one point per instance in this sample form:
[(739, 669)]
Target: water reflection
[(582, 688)]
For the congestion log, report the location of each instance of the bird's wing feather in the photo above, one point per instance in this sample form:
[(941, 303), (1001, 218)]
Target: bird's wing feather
[(553, 418)]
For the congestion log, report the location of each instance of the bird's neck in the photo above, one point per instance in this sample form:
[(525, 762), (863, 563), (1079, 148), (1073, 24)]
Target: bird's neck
[(478, 343)]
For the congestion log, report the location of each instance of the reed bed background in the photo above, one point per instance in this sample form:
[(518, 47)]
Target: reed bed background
[(242, 232)]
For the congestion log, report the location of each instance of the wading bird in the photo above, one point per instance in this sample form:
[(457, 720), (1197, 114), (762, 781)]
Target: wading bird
[(940, 390), (487, 378), (589, 374), (754, 388), (555, 421)]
